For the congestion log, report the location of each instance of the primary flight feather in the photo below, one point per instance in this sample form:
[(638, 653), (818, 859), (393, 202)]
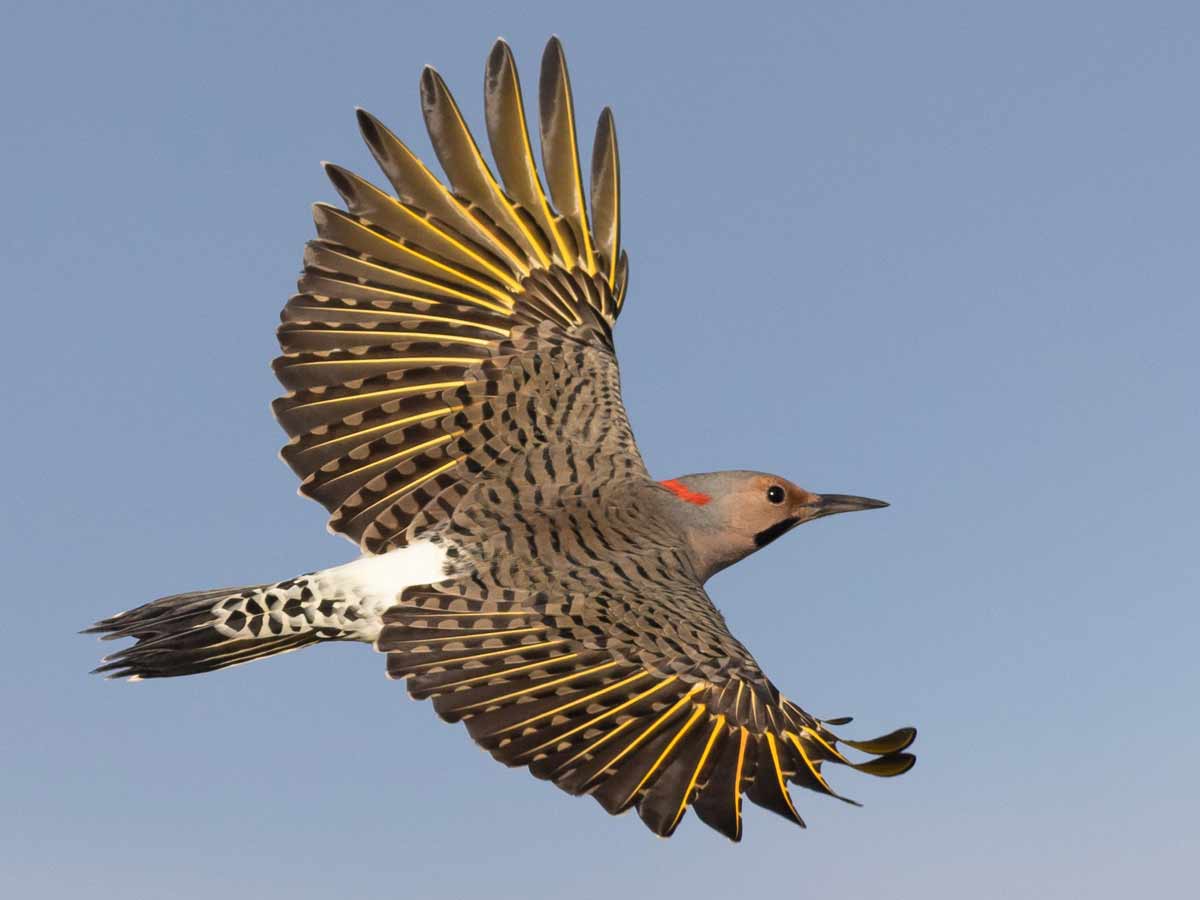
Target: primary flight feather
[(454, 402)]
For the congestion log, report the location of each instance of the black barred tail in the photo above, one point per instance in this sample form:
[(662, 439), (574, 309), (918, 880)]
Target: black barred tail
[(203, 631)]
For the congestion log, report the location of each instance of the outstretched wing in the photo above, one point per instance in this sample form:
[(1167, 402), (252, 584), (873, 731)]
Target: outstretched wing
[(449, 330), (559, 683)]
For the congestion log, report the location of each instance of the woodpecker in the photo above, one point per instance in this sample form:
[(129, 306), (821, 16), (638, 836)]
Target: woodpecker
[(453, 400)]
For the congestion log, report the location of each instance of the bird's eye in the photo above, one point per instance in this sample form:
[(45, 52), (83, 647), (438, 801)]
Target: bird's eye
[(775, 494)]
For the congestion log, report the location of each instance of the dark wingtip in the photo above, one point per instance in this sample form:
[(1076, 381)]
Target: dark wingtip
[(430, 84), (368, 125), (498, 60), (337, 175), (892, 742), (888, 766), (107, 629), (500, 54), (553, 58), (606, 130)]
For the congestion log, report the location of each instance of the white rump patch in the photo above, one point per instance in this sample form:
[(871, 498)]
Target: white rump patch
[(373, 583)]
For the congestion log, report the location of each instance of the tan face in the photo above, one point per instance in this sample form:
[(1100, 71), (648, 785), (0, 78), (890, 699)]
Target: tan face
[(769, 506), (728, 515)]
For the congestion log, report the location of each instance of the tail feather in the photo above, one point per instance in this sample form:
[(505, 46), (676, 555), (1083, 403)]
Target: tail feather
[(206, 630), (187, 634)]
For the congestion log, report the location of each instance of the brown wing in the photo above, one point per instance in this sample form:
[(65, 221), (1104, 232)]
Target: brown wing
[(555, 682), (448, 330)]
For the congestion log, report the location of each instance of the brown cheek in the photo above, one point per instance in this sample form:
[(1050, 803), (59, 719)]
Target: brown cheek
[(749, 518)]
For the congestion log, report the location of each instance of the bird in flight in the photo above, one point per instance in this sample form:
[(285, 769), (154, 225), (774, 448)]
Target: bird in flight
[(453, 401)]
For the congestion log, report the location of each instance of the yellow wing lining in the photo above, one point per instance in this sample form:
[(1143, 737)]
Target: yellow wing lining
[(508, 133), (560, 152), (596, 725), (407, 296)]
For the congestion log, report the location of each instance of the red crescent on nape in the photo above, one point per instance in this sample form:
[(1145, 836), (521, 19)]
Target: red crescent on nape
[(683, 493)]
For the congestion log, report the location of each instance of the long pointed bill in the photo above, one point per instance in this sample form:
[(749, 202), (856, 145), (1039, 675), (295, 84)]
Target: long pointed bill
[(829, 504)]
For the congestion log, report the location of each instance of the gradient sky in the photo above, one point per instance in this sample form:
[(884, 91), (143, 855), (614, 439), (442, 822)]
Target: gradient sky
[(942, 255)]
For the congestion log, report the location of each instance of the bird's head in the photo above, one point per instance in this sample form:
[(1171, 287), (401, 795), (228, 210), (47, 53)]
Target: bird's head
[(728, 515)]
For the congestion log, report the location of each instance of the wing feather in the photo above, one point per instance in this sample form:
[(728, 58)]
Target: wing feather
[(416, 185), (380, 210), (508, 133), (663, 805), (508, 666), (606, 194), (560, 152), (719, 803), (464, 165), (423, 318)]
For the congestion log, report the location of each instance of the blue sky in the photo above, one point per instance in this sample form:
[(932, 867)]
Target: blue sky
[(942, 255)]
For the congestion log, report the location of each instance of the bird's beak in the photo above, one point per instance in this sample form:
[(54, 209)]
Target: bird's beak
[(829, 504)]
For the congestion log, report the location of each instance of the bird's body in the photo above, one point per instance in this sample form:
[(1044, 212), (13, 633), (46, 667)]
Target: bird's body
[(455, 403)]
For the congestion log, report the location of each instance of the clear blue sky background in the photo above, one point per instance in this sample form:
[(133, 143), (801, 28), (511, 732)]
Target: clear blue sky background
[(940, 253)]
